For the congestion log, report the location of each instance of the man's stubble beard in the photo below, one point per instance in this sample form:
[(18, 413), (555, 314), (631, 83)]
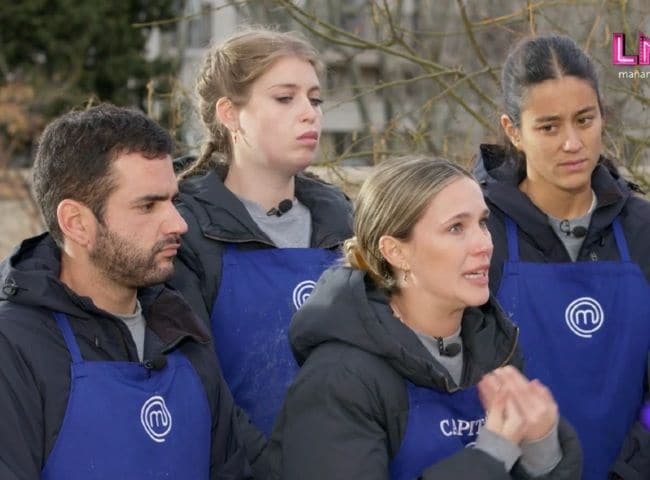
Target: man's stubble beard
[(126, 263)]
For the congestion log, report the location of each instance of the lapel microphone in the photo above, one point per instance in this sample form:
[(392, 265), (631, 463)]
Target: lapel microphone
[(450, 350), (578, 232), (283, 207), (158, 362)]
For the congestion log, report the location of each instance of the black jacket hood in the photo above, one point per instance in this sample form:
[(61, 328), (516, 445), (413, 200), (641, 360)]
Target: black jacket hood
[(347, 307), (30, 276)]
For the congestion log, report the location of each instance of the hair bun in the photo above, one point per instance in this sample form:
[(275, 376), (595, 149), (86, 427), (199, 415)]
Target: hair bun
[(354, 255)]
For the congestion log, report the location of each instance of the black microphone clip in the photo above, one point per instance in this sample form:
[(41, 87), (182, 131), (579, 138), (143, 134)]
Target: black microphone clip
[(578, 231), (283, 207), (450, 350), (155, 363)]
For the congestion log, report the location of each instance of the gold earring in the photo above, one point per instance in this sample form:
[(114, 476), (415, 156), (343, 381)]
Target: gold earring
[(406, 274)]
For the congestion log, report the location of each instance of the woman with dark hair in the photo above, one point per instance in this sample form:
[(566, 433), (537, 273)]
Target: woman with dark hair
[(572, 252), (408, 366)]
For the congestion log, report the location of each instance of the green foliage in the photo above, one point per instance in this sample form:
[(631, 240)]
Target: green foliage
[(73, 52)]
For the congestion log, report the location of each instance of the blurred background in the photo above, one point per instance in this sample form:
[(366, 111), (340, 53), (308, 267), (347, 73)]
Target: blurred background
[(403, 76)]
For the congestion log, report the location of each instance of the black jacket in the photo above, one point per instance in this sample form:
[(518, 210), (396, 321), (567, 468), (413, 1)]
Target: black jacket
[(538, 243), (35, 362), (345, 414), (216, 217)]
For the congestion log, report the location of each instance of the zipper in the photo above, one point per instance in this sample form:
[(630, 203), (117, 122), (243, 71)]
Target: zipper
[(512, 351)]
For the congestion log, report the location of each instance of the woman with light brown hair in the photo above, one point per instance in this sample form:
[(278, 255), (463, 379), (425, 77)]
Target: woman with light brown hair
[(260, 231), (409, 368)]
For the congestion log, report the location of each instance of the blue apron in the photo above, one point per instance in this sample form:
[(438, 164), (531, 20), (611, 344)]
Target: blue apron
[(124, 421), (259, 293), (585, 333), (439, 425)]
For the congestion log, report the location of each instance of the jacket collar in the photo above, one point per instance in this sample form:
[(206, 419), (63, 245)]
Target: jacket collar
[(222, 216), (347, 307), (497, 175), (30, 276)]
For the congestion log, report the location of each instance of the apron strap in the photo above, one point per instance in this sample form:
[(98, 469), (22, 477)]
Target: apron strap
[(620, 241), (68, 336), (513, 244)]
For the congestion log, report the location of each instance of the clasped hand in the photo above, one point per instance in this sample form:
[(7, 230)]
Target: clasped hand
[(516, 408)]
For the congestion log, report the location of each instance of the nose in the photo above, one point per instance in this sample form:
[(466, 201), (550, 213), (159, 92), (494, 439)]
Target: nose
[(572, 142), (310, 112), (483, 243), (175, 223)]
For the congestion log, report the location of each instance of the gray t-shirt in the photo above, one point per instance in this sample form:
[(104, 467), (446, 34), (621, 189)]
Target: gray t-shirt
[(290, 230), (565, 229), (136, 324), (453, 364)]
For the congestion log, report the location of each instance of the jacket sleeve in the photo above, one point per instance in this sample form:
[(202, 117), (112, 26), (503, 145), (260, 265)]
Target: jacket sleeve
[(197, 268), (255, 443), (22, 424), (633, 462), (189, 279), (467, 463), (329, 429), (333, 426)]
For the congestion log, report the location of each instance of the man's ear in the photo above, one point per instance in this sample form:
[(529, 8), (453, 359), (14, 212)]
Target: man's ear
[(77, 222), (227, 113), (510, 130), (394, 251)]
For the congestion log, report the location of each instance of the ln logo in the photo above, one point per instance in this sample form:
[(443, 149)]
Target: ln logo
[(156, 419), (584, 316), (301, 293), (618, 51)]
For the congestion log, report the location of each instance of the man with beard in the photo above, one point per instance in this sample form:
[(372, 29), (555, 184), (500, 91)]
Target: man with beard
[(105, 373)]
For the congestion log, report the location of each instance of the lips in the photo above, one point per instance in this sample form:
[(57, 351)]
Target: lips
[(574, 164), (169, 246), (478, 276), (311, 135)]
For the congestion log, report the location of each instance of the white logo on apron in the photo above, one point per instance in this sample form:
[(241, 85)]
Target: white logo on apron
[(301, 292), (460, 427), (156, 419), (584, 316)]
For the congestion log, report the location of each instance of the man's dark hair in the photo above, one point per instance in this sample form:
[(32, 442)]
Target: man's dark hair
[(76, 151)]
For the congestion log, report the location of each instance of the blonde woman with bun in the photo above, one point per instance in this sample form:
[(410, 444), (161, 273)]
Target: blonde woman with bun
[(409, 368)]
